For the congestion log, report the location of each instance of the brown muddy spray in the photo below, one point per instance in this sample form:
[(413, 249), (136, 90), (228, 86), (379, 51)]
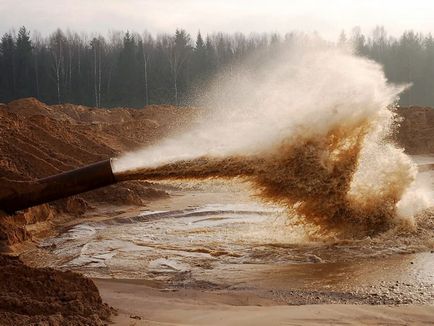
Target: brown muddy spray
[(308, 130)]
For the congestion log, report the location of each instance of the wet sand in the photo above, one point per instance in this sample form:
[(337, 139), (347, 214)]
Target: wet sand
[(244, 246), (182, 261), (139, 304), (216, 257)]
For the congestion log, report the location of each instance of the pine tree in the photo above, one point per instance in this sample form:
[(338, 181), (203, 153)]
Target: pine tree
[(127, 73), (8, 64), (24, 64), (211, 56), (133, 70), (179, 51), (199, 61)]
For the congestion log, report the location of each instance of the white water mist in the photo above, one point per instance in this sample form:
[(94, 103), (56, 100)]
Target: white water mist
[(305, 91)]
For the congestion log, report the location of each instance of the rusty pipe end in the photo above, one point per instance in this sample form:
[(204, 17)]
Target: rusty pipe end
[(19, 196)]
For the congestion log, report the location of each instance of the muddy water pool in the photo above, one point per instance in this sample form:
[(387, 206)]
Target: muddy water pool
[(223, 240)]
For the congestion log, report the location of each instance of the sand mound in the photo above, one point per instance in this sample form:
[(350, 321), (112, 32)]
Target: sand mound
[(37, 140), (28, 107), (45, 296), (416, 134)]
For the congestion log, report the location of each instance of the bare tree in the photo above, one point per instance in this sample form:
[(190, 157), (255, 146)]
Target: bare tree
[(178, 50), (97, 45), (37, 44), (70, 54), (57, 43), (148, 44), (113, 47)]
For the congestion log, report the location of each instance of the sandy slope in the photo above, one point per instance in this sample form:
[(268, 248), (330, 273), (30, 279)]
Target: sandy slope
[(38, 140)]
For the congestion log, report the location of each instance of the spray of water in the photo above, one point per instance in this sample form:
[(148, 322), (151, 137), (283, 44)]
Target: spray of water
[(309, 129)]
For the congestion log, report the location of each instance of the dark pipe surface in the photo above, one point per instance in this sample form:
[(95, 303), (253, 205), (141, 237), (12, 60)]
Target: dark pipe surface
[(28, 194)]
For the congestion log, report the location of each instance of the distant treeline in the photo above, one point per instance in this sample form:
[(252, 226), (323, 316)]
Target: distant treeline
[(128, 69)]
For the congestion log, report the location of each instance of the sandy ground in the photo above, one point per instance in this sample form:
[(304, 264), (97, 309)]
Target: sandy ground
[(139, 304), (255, 294), (379, 281)]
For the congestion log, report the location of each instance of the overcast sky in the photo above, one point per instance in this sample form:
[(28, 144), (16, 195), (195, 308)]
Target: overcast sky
[(328, 17)]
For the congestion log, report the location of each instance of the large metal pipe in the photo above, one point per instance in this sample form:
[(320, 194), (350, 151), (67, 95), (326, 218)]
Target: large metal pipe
[(28, 194)]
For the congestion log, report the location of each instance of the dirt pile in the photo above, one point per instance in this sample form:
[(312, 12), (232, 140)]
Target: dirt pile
[(37, 140), (13, 229), (47, 297), (416, 134)]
